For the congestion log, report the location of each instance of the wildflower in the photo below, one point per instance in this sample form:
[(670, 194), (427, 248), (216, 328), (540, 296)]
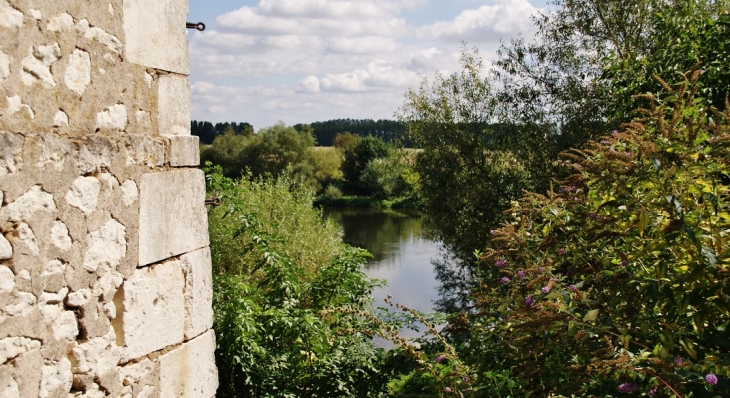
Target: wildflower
[(447, 389), (678, 361), (653, 391), (561, 251), (466, 379), (500, 263), (592, 216), (546, 289), (626, 388), (529, 301), (573, 288), (605, 142), (492, 232), (440, 358), (615, 132), (521, 274), (541, 269), (553, 279), (504, 280), (711, 379), (624, 263)]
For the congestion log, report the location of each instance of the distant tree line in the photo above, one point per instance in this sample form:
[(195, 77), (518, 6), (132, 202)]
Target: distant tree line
[(386, 130), (207, 131)]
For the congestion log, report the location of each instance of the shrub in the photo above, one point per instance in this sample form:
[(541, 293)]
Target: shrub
[(618, 282)]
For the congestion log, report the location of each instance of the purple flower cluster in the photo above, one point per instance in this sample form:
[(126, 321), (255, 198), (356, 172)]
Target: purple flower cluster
[(573, 288), (521, 274), (440, 358), (529, 301), (711, 379), (678, 361), (627, 388), (546, 289), (653, 391), (504, 280), (500, 263), (561, 251)]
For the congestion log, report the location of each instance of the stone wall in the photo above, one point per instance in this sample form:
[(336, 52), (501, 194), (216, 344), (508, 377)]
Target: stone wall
[(105, 280)]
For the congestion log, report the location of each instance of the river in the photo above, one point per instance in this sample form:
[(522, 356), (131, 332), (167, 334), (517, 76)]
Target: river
[(402, 254)]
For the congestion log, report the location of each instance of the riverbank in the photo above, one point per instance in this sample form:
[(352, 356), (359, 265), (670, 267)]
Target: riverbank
[(367, 202)]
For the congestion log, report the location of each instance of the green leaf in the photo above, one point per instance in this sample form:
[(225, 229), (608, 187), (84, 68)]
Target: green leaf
[(590, 316)]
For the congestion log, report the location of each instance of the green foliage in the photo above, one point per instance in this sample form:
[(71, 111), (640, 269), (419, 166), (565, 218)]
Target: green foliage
[(273, 151), (599, 288), (357, 156), (467, 176), (288, 297)]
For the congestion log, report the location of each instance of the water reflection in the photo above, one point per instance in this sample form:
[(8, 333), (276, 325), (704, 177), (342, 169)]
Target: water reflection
[(402, 253)]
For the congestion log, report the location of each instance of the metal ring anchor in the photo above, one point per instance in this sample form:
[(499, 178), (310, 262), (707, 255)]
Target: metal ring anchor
[(192, 25), (213, 201)]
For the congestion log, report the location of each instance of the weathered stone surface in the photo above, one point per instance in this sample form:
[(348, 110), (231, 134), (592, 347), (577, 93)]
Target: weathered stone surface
[(56, 378), (37, 65), (36, 14), (59, 236), (78, 71), (9, 16), (143, 378), (198, 292), (15, 105), (155, 34), (22, 304), (174, 105), (173, 220), (62, 323), (84, 194), (129, 192), (98, 356), (78, 298), (111, 42), (11, 147), (60, 22), (7, 279), (107, 245), (113, 118), (144, 151), (60, 119), (4, 66), (28, 373), (154, 309), (28, 238), (6, 250), (11, 347), (30, 202), (184, 150), (8, 386), (189, 371)]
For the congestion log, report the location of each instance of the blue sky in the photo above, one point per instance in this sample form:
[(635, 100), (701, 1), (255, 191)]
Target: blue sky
[(300, 61)]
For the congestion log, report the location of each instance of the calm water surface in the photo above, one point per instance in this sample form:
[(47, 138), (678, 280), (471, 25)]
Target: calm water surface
[(402, 253)]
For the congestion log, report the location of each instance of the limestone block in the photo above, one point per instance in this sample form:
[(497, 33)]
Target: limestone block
[(184, 150), (173, 103), (84, 194), (62, 323), (155, 34), (37, 65), (107, 246), (144, 150), (36, 14), (22, 304), (7, 279), (28, 373), (56, 378), (9, 16), (60, 22), (30, 202), (112, 118), (173, 220), (78, 298), (15, 105), (28, 238), (11, 147), (198, 292), (4, 66), (96, 153), (78, 71), (154, 309), (98, 356), (111, 42), (60, 237), (6, 250), (60, 119), (129, 192), (106, 286), (143, 378), (11, 347), (189, 371)]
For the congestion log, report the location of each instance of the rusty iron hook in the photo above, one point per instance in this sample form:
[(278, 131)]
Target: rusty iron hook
[(213, 201), (192, 25)]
